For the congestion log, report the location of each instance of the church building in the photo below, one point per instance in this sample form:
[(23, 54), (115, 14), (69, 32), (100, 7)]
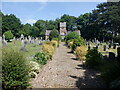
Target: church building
[(62, 31)]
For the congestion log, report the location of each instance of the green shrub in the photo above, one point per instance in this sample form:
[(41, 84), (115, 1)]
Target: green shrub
[(15, 70), (93, 59), (115, 83), (71, 35), (53, 34), (48, 50), (77, 42), (8, 35), (110, 72), (40, 58), (80, 52)]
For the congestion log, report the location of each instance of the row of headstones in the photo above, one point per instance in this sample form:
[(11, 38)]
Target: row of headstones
[(111, 54), (109, 45)]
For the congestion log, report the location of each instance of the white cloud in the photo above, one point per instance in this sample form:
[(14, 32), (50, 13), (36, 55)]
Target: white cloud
[(30, 21)]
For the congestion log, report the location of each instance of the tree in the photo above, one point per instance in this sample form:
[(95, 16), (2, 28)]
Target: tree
[(35, 31), (26, 30), (11, 22), (8, 35), (54, 34)]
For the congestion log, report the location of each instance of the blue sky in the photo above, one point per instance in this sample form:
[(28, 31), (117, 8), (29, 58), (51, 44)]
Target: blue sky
[(30, 12)]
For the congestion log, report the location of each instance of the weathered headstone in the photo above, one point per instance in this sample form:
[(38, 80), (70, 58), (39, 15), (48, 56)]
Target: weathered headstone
[(23, 48), (22, 37), (118, 53), (4, 42), (96, 47), (104, 48), (89, 47), (114, 46), (111, 56)]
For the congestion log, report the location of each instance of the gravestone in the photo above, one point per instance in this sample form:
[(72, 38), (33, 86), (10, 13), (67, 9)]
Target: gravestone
[(89, 47), (29, 39), (104, 48), (22, 37), (118, 53), (4, 42), (96, 46), (23, 48), (109, 46), (114, 46), (111, 56)]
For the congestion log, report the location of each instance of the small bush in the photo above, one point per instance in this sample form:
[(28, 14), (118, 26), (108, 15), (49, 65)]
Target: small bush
[(8, 35), (71, 35), (40, 58), (54, 43), (53, 34), (15, 70), (70, 44), (110, 71), (48, 50), (80, 52), (93, 59), (77, 42)]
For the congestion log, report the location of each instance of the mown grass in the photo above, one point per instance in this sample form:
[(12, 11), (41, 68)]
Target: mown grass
[(31, 50)]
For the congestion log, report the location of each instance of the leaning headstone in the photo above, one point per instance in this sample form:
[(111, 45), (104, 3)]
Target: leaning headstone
[(118, 53), (111, 56), (104, 48), (114, 46)]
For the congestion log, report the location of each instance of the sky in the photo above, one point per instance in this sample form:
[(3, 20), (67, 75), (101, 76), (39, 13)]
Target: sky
[(30, 12)]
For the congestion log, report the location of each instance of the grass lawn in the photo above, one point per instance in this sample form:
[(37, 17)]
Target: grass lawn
[(31, 50)]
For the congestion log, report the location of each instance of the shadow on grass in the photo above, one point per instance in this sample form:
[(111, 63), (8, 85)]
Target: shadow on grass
[(88, 79)]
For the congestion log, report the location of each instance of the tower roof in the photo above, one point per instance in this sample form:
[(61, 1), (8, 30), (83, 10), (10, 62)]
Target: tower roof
[(62, 24)]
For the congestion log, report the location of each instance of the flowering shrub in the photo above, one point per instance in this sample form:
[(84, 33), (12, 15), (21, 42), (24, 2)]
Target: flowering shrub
[(48, 50), (80, 52), (54, 43), (40, 58)]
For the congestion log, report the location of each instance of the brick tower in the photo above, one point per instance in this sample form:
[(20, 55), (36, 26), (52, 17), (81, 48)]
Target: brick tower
[(63, 30)]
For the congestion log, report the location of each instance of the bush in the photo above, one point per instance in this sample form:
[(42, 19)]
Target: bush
[(77, 42), (93, 59), (35, 69), (40, 58), (71, 35), (110, 72), (53, 34), (48, 50), (8, 35), (15, 71), (80, 52), (55, 43)]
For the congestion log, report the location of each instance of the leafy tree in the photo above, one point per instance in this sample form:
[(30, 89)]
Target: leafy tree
[(11, 22), (8, 35), (35, 31), (71, 35), (26, 30), (54, 34)]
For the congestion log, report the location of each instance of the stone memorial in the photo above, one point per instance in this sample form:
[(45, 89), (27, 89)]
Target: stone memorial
[(104, 48), (118, 53), (23, 48)]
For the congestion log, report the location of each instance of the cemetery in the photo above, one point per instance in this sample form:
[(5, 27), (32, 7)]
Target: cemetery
[(71, 52)]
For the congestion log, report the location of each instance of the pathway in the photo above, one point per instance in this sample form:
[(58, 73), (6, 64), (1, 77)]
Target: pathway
[(64, 71)]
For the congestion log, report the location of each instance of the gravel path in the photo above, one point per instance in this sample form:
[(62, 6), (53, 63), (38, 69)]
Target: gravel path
[(66, 72)]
